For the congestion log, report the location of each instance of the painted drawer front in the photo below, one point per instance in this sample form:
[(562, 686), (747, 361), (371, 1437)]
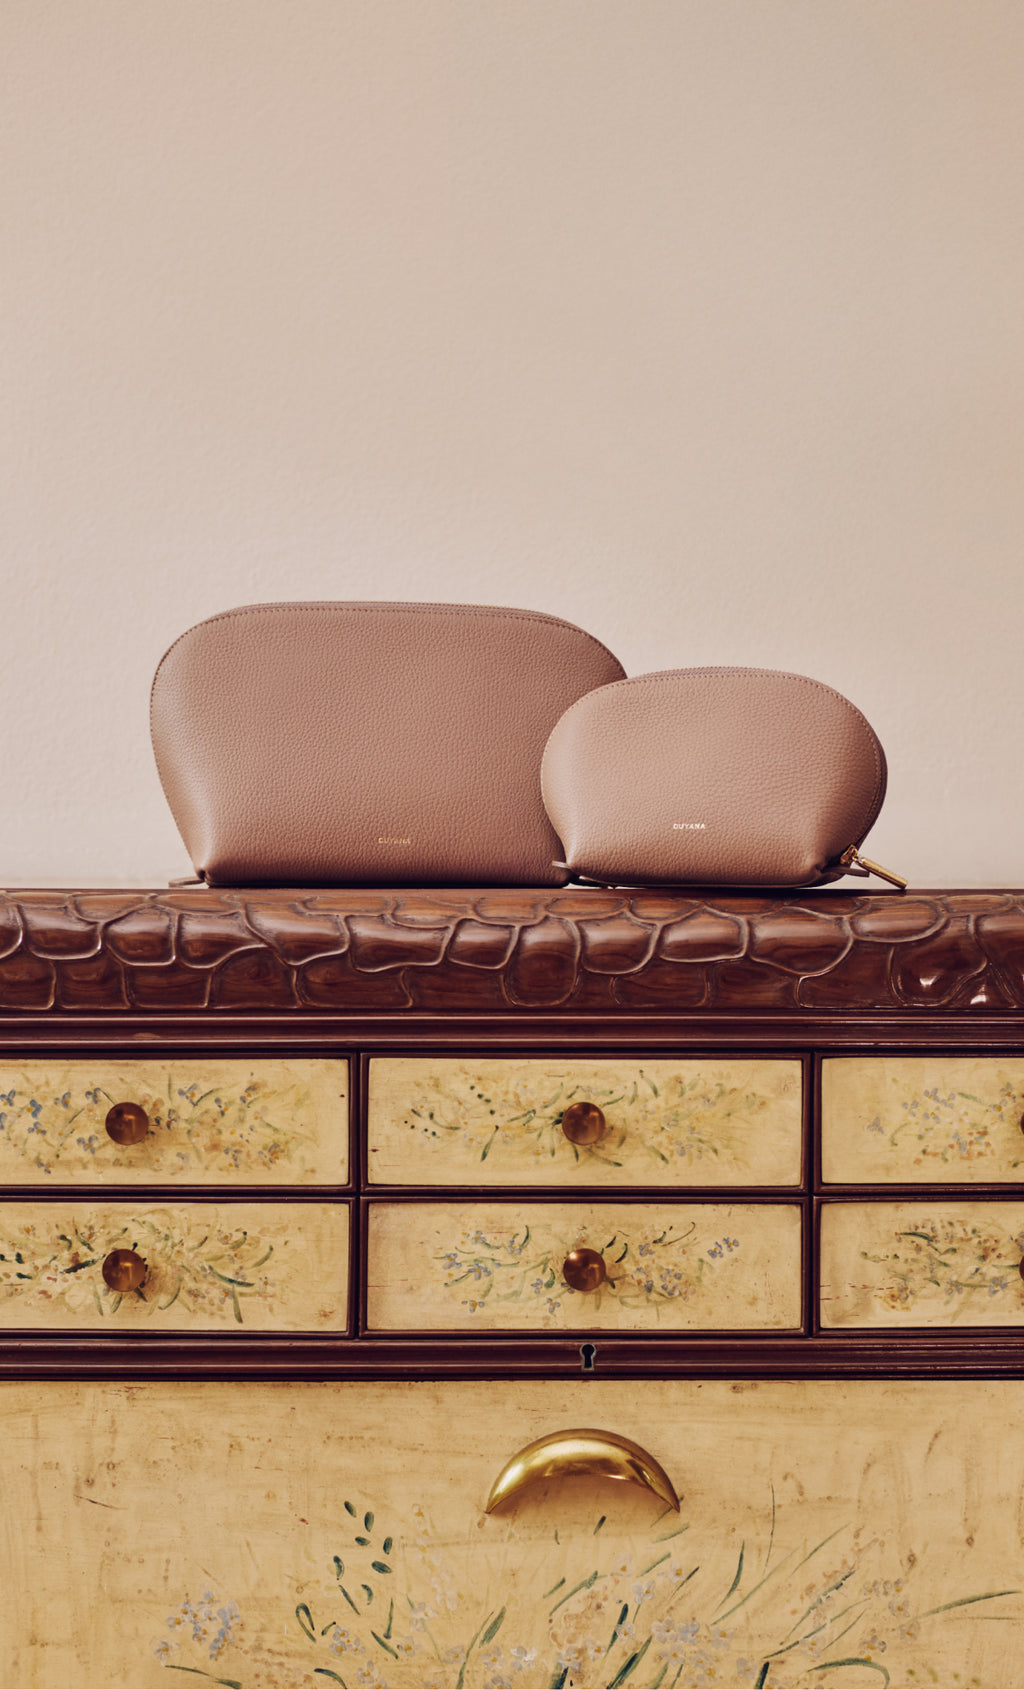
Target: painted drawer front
[(831, 1534), (917, 1118), (273, 1122), (922, 1264), (451, 1121), (271, 1267), (499, 1266)]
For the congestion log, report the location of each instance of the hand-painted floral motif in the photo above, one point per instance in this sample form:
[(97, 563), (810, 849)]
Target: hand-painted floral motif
[(669, 1613), (493, 1266), (671, 1123), (644, 1271), (955, 1127), (953, 1261), (198, 1263), (225, 1121)]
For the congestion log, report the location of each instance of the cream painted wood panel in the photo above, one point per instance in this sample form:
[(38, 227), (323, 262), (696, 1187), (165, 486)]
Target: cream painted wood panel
[(905, 1119), (831, 1534), (922, 1264), (453, 1121), (271, 1267), (276, 1121), (495, 1266)]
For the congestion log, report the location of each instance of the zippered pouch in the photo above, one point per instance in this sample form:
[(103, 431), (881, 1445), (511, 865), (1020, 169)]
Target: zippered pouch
[(714, 777), (380, 744)]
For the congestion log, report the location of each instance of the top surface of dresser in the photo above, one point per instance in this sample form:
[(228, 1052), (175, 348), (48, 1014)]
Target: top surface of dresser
[(202, 958)]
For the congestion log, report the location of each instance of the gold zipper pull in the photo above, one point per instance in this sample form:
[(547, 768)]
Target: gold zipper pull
[(854, 863)]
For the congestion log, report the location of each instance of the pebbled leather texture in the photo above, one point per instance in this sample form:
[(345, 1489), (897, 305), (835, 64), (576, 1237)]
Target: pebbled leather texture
[(713, 777), (360, 743)]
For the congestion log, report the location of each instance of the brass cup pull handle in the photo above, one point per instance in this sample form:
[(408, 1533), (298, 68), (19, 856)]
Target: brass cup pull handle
[(124, 1270), (127, 1123), (584, 1270), (586, 1453), (584, 1123)]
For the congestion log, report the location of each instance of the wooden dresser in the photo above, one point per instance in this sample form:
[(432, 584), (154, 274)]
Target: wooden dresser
[(318, 1208)]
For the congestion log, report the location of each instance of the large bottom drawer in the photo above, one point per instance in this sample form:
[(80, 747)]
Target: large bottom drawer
[(830, 1534)]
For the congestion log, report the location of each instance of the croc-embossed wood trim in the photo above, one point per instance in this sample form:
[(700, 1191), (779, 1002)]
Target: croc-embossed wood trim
[(516, 951)]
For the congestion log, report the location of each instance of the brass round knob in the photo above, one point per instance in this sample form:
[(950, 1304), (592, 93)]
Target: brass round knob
[(583, 1123), (584, 1270), (124, 1270), (127, 1123)]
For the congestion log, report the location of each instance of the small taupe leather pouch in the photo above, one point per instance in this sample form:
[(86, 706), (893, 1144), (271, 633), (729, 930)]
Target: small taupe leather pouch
[(712, 777), (381, 744)]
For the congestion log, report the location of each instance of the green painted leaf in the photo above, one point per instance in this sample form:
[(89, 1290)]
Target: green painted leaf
[(230, 1683), (461, 1680), (349, 1600), (739, 1574), (623, 1612), (966, 1602), (494, 1627), (388, 1541), (367, 1522), (856, 1661), (380, 1566), (305, 1619), (628, 1666), (377, 1639), (584, 1584), (364, 1541), (225, 1279), (645, 1570), (349, 1509), (325, 1672)]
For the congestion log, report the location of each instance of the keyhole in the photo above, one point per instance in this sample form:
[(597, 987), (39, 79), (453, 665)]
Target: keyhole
[(588, 1355)]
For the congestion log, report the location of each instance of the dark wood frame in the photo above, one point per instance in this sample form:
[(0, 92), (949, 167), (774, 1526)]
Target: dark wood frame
[(938, 971)]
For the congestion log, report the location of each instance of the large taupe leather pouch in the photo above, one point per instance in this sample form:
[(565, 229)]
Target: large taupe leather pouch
[(355, 744), (711, 777)]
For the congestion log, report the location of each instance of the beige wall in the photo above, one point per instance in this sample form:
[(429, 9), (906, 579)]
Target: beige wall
[(697, 322)]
